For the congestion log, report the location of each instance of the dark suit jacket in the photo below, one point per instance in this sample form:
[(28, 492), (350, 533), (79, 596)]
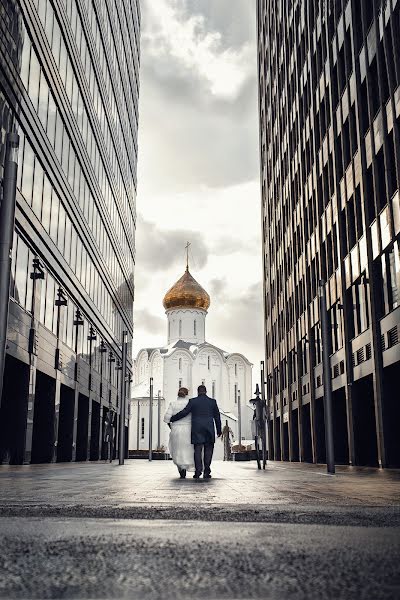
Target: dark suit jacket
[(204, 412)]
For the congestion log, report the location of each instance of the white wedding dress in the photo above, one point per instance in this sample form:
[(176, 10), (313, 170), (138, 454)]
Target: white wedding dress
[(180, 445)]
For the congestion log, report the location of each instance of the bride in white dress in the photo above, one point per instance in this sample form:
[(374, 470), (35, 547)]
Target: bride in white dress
[(180, 445)]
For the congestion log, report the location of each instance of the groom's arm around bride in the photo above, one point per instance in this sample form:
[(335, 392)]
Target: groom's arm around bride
[(205, 413)]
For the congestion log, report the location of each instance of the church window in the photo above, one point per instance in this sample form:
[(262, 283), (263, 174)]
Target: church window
[(142, 429), (235, 392), (213, 389), (235, 368), (208, 362), (180, 384), (180, 328), (180, 364), (194, 328)]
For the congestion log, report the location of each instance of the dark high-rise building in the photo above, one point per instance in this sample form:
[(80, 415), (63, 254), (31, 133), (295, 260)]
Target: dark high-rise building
[(69, 84), (329, 108)]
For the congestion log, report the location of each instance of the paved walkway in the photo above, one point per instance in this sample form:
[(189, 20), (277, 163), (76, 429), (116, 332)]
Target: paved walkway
[(95, 530), (150, 490)]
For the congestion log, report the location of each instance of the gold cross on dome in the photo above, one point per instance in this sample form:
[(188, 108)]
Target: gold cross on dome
[(187, 255)]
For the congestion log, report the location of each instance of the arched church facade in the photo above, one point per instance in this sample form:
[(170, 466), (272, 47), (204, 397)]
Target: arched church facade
[(187, 360)]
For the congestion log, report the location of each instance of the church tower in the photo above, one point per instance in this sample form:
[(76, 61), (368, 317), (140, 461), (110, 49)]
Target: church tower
[(186, 305)]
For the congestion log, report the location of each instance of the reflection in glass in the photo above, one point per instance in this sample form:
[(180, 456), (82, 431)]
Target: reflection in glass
[(37, 189), (55, 206), (61, 228), (34, 78), (48, 317), (43, 100), (46, 204), (21, 272), (51, 119), (27, 173)]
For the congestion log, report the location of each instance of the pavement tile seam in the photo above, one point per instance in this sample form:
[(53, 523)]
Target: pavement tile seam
[(312, 515)]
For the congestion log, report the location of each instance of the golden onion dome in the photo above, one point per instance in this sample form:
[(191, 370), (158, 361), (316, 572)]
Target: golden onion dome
[(186, 293)]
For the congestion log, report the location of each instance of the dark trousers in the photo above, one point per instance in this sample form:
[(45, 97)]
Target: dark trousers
[(203, 452)]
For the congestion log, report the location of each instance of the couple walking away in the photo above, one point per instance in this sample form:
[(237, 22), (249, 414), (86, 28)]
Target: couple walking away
[(192, 434)]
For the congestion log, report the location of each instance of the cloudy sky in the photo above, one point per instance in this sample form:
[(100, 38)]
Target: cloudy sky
[(198, 168)]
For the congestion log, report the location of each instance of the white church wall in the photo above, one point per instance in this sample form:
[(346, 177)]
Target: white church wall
[(178, 371), (240, 379), (157, 372), (208, 369), (186, 324), (139, 425), (142, 367)]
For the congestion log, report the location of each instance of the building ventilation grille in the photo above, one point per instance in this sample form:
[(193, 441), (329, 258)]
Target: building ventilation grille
[(319, 381), (354, 360), (336, 371), (368, 352), (360, 355), (393, 337), (341, 367), (383, 345)]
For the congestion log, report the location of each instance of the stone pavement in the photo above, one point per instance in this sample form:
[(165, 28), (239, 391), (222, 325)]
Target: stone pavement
[(95, 530), (140, 489)]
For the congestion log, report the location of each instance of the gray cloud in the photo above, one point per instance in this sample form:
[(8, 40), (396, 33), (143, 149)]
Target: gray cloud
[(217, 288), (243, 319), (192, 136), (236, 23), (149, 322), (189, 147), (224, 246), (160, 249)]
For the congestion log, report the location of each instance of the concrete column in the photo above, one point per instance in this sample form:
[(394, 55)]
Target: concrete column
[(37, 276), (138, 426), (31, 411), (300, 402), (101, 429), (89, 427), (56, 415), (75, 425)]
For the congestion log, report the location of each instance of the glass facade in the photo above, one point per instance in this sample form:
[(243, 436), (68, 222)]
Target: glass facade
[(69, 86), (329, 110)]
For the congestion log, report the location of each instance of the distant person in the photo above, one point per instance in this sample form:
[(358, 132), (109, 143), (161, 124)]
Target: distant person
[(108, 438), (205, 413), (180, 446), (227, 437)]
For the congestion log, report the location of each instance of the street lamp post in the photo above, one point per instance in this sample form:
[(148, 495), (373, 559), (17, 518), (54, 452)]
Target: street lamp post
[(7, 218), (239, 419), (151, 421), (159, 420), (121, 452), (328, 413), (264, 403)]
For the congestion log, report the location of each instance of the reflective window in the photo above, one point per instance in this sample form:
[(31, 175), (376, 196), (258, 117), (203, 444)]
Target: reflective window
[(55, 207), (21, 272), (49, 309), (37, 189), (46, 204), (61, 229), (43, 101), (34, 79), (27, 173)]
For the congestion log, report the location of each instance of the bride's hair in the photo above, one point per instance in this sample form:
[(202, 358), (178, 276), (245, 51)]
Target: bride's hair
[(183, 392)]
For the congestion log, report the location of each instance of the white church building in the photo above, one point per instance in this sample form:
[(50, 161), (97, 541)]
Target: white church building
[(188, 360)]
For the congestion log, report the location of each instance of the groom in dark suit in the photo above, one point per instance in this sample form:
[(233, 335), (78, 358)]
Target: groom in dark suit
[(204, 413)]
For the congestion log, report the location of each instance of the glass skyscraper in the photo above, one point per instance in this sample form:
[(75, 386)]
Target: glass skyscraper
[(329, 109), (69, 86)]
